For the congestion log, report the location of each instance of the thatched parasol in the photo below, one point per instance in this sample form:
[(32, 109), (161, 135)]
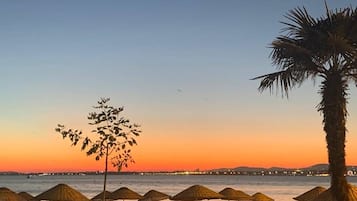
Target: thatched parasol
[(154, 195), (26, 196), (125, 193), (310, 195), (108, 196), (327, 196), (61, 192), (261, 197), (232, 194), (9, 195), (197, 192)]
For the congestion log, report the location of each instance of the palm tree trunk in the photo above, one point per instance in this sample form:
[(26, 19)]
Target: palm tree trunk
[(333, 106)]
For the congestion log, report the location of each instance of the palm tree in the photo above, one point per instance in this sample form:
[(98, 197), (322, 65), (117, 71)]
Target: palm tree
[(322, 49)]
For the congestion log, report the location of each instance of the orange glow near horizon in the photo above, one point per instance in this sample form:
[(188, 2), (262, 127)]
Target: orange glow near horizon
[(174, 152), (204, 146)]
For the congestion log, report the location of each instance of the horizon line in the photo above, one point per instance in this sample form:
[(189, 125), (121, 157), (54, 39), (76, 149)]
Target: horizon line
[(159, 171)]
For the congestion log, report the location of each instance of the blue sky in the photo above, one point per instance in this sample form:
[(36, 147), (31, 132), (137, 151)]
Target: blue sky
[(52, 50), (167, 62)]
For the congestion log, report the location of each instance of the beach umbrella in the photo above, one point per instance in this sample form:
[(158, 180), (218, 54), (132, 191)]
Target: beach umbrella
[(197, 192), (310, 195), (232, 194), (26, 195), (261, 197), (61, 192), (108, 196), (327, 196), (125, 193), (9, 195), (154, 195)]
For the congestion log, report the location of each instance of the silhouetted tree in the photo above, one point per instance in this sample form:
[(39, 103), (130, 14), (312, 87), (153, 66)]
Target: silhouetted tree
[(114, 135), (324, 49)]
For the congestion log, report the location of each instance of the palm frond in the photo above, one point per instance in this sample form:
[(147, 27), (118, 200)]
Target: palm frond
[(300, 22), (283, 79), (286, 51)]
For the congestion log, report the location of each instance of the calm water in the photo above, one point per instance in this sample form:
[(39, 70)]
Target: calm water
[(281, 188)]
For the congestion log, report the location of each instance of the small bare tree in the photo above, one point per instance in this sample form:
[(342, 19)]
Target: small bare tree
[(114, 135)]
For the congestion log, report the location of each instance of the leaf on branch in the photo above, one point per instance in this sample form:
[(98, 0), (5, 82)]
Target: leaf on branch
[(64, 134), (86, 141), (93, 149), (112, 138), (75, 142)]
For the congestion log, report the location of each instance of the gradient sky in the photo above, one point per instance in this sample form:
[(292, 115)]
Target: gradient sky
[(181, 69)]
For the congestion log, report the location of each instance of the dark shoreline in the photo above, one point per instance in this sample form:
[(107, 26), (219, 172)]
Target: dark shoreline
[(315, 170)]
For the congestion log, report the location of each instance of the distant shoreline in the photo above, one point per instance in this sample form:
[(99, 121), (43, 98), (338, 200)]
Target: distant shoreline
[(315, 170)]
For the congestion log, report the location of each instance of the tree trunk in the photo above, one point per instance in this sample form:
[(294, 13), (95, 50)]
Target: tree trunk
[(105, 173), (333, 106)]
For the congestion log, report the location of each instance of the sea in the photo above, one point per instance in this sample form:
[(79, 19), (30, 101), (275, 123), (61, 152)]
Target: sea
[(280, 188)]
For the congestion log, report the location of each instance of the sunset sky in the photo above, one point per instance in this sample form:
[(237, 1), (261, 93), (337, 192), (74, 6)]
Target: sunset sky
[(182, 70)]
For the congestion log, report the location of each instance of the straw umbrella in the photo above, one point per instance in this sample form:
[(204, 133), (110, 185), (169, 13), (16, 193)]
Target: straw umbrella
[(108, 196), (197, 192), (261, 197), (154, 195), (62, 192), (232, 194), (310, 195), (26, 196), (125, 193), (327, 196), (9, 195)]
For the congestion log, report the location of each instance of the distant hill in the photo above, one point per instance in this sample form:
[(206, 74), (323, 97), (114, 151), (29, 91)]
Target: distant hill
[(316, 167), (319, 167), (240, 169)]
